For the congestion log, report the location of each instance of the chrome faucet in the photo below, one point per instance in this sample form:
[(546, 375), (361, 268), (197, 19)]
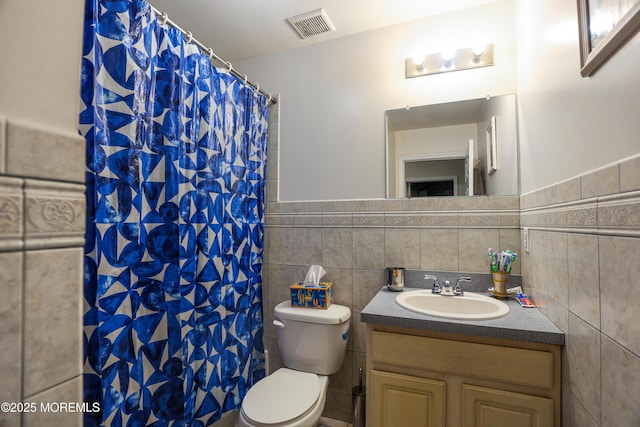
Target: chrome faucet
[(457, 289), (446, 288), (436, 289)]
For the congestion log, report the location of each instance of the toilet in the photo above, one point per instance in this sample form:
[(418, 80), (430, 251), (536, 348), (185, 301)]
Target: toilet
[(312, 345)]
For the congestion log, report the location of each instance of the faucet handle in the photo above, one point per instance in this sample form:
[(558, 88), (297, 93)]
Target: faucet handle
[(457, 289), (436, 286)]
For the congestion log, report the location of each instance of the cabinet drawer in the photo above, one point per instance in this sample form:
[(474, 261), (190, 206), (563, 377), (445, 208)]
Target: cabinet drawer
[(505, 364)]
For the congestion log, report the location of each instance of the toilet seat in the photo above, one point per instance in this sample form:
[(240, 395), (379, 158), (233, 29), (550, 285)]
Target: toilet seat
[(281, 397)]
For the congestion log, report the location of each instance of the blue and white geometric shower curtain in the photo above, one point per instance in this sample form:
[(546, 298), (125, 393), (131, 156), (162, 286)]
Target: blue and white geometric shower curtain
[(176, 158)]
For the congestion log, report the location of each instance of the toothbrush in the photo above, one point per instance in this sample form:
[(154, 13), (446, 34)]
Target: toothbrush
[(513, 258), (492, 255), (507, 260), (503, 258)]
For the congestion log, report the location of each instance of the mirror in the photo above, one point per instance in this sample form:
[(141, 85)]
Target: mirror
[(457, 148)]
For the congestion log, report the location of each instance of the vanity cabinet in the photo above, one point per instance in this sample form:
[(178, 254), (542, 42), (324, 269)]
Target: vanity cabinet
[(418, 378)]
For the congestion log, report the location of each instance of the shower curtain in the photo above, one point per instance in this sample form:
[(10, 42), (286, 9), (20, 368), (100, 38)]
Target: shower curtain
[(176, 156)]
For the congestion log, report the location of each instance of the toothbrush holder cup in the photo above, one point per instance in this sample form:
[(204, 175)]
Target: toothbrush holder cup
[(500, 282)]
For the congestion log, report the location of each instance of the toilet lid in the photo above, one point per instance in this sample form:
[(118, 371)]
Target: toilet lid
[(281, 396)]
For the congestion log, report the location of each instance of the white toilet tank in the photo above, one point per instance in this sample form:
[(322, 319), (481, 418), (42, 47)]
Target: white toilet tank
[(312, 340)]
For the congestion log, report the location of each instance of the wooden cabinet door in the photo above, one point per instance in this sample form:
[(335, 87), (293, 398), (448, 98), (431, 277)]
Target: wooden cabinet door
[(407, 401), (487, 407)]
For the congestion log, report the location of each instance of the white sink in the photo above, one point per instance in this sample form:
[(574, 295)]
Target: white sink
[(470, 306)]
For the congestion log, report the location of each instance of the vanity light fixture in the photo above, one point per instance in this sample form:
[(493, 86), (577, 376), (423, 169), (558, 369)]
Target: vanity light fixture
[(447, 61)]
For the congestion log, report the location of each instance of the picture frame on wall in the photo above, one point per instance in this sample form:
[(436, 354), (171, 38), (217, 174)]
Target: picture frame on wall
[(492, 147), (604, 25)]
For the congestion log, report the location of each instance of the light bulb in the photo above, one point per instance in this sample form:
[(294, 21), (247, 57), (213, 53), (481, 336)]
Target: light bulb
[(447, 55), (478, 49), (418, 59)]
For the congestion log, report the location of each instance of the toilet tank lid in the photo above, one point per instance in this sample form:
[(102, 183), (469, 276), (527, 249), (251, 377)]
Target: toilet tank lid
[(333, 315)]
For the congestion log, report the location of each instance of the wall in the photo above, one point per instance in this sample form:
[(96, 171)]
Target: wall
[(334, 95), (578, 137), (42, 206), (569, 124), (39, 76)]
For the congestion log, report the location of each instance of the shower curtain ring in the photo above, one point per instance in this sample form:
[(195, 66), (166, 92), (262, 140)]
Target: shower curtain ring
[(269, 100), (163, 18), (245, 79), (229, 66), (210, 52), (188, 36), (257, 87)]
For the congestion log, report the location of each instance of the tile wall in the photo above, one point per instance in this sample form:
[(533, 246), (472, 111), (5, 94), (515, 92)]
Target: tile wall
[(42, 221), (583, 270), (354, 241)]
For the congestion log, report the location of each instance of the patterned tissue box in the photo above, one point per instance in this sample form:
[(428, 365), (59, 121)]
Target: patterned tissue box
[(320, 296)]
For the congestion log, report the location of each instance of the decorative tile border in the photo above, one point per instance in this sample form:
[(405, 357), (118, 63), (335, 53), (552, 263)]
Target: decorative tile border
[(38, 214), (620, 211), (308, 220), (579, 214), (368, 220), (55, 214), (11, 214), (337, 220), (605, 201), (422, 205), (398, 219)]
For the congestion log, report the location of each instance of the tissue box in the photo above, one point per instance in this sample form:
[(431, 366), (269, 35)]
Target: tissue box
[(320, 296)]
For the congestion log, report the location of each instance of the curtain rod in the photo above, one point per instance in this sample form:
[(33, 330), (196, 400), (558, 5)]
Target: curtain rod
[(164, 19)]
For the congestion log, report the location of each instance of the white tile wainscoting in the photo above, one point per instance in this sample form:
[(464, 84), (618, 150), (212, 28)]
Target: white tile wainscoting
[(583, 271), (42, 222)]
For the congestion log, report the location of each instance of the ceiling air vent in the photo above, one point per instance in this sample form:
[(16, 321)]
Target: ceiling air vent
[(311, 23)]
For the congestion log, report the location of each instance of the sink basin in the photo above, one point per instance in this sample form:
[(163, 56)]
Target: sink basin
[(470, 306)]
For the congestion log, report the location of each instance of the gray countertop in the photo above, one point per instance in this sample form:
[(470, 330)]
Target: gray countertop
[(521, 324)]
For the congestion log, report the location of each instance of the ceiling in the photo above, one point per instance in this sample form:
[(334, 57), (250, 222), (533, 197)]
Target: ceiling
[(242, 29)]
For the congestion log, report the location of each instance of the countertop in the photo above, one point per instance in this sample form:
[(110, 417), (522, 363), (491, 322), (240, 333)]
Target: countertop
[(521, 324)]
